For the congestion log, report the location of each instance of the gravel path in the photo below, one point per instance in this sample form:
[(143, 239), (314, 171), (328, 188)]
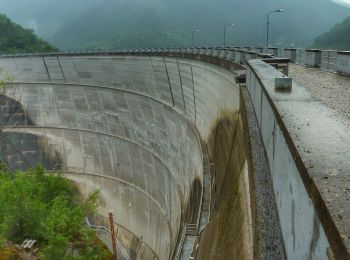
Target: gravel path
[(331, 89)]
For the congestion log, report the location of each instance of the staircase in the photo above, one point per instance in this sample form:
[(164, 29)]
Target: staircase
[(189, 239)]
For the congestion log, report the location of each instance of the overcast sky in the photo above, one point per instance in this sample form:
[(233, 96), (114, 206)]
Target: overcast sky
[(343, 2)]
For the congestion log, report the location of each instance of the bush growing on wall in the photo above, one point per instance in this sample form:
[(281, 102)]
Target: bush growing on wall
[(47, 207)]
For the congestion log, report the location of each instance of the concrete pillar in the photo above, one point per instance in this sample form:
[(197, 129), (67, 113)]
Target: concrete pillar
[(231, 54), (251, 55), (291, 53), (273, 51), (280, 52), (189, 50), (223, 53), (209, 52), (203, 51), (216, 52), (293, 56), (259, 49), (237, 56), (242, 56), (196, 50), (343, 63), (313, 58)]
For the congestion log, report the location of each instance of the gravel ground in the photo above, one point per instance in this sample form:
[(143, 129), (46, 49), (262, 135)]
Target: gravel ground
[(331, 89)]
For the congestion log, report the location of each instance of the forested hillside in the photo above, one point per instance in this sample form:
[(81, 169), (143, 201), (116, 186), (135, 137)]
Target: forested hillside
[(16, 39), (140, 23), (337, 38), (81, 24)]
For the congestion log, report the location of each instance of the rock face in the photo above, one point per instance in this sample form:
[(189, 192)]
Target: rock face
[(130, 126)]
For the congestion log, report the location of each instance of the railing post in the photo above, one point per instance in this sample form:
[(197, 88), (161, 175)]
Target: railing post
[(114, 244), (343, 63), (273, 51), (328, 59), (313, 58)]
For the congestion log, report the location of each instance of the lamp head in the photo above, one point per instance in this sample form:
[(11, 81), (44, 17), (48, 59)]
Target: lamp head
[(280, 10)]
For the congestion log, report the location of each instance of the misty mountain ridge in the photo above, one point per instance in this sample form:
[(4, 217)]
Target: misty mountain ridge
[(122, 24), (86, 24), (338, 38)]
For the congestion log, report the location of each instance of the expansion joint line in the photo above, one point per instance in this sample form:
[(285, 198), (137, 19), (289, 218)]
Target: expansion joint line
[(126, 183), (167, 73), (155, 156), (47, 69), (59, 63), (194, 97), (182, 90)]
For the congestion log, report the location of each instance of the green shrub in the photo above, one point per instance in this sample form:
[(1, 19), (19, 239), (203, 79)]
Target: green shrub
[(46, 207)]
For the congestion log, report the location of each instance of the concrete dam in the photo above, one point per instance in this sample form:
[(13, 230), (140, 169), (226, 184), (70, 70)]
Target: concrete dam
[(195, 162)]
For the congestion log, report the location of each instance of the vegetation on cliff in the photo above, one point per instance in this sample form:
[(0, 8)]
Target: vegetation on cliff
[(16, 39), (47, 208)]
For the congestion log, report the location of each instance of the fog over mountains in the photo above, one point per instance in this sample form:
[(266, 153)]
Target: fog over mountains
[(153, 23), (342, 2)]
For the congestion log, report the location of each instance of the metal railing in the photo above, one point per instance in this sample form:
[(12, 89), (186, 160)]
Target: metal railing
[(135, 250), (329, 60), (105, 235)]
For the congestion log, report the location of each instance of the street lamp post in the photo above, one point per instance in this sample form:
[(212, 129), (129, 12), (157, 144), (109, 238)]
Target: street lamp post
[(193, 32), (225, 27), (268, 25), (167, 37)]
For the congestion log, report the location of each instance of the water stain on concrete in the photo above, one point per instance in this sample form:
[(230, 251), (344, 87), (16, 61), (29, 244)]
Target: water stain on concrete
[(226, 235)]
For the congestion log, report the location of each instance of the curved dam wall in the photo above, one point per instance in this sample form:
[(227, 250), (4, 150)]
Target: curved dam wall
[(129, 126)]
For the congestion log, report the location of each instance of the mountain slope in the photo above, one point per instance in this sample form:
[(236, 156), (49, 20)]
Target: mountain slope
[(45, 16), (141, 23), (118, 24), (16, 39), (338, 38)]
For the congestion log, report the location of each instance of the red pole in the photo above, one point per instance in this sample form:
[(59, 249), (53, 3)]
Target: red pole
[(114, 244)]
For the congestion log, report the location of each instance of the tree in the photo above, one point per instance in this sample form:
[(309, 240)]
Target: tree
[(337, 38), (15, 39), (47, 208)]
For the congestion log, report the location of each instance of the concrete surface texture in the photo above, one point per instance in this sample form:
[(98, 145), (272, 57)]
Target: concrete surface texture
[(331, 89), (307, 147), (343, 62), (125, 125)]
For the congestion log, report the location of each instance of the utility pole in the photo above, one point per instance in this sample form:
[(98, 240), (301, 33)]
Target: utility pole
[(193, 32), (114, 243), (225, 27), (268, 25)]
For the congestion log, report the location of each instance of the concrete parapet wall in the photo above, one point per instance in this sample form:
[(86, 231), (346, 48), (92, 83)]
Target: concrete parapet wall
[(303, 234)]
